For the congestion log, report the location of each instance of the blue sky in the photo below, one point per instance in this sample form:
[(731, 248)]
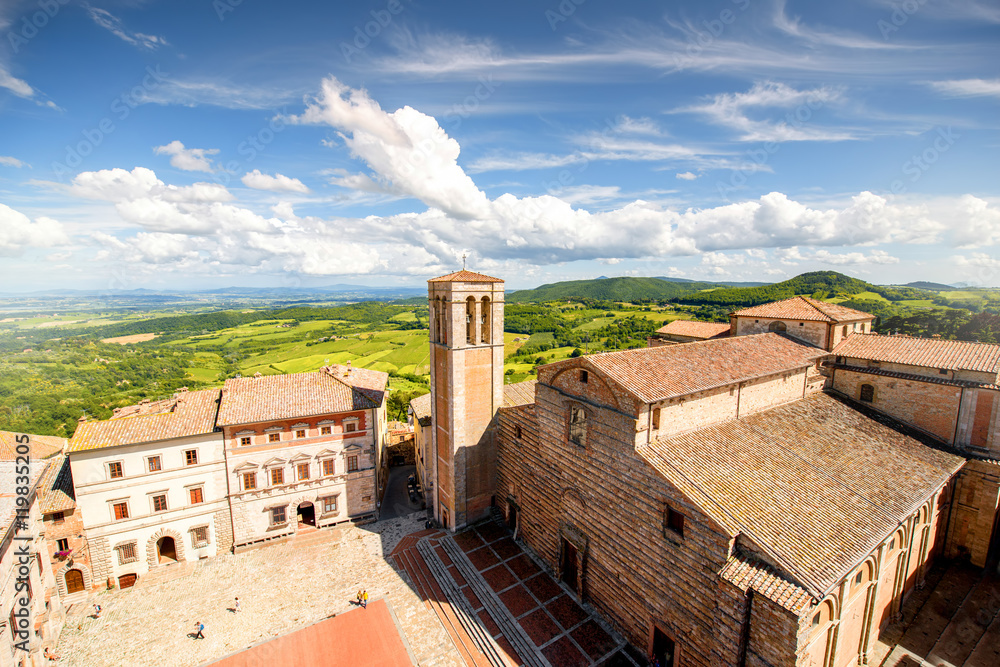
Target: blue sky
[(206, 143)]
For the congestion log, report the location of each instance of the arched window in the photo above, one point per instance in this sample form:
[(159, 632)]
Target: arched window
[(777, 326), (577, 425), (517, 432), (486, 321), (867, 394), (470, 320), (845, 330)]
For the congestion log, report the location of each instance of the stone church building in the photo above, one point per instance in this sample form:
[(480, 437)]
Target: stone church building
[(765, 498)]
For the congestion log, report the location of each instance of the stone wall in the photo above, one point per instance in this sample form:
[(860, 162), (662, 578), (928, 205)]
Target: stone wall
[(974, 516)]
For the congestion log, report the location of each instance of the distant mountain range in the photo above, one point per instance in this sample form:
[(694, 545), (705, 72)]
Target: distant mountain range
[(224, 291)]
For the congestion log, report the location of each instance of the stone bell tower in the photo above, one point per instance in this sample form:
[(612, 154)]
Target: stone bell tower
[(466, 338)]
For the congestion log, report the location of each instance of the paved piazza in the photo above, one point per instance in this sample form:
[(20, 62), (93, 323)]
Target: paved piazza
[(281, 587)]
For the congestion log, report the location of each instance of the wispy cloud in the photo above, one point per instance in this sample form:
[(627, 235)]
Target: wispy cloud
[(686, 176), (188, 159), (116, 27), (968, 87), (8, 161), (221, 93), (732, 110)]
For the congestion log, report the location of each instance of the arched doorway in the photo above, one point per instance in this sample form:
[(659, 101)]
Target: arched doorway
[(777, 326), (74, 581), (166, 550), (307, 514)]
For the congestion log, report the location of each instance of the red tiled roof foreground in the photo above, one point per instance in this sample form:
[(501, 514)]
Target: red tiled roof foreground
[(42, 446), (692, 329), (804, 308), (656, 373), (360, 638), (931, 352), (331, 389), (187, 413), (464, 276), (816, 483)]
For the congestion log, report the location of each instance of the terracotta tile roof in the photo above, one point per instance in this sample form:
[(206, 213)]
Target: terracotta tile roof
[(519, 393), (464, 276), (187, 413), (329, 390), (931, 352), (694, 329), (421, 406), (656, 373), (42, 446), (56, 488), (817, 484), (804, 308), (747, 573)]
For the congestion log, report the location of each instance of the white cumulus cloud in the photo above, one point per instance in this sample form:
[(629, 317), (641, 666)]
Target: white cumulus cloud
[(18, 232), (188, 159), (277, 183)]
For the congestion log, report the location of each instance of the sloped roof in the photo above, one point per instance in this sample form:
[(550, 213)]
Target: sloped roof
[(464, 276), (519, 393), (816, 483), (656, 373), (704, 330), (329, 390), (187, 413), (746, 573), (56, 488), (42, 446), (421, 407), (804, 308), (931, 352)]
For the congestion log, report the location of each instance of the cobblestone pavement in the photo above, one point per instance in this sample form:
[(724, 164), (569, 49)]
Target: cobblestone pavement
[(282, 587)]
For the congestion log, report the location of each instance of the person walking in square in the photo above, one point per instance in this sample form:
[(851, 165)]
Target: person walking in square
[(97, 611), (364, 599), (360, 595), (237, 604), (201, 627)]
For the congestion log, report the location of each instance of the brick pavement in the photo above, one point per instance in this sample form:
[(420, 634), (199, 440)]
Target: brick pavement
[(282, 587)]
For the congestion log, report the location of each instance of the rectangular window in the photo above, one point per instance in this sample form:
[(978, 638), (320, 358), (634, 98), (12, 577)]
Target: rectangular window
[(199, 536), (58, 517), (673, 522), (246, 441), (115, 470), (63, 544), (154, 463), (943, 371), (277, 476), (121, 511), (325, 430), (191, 457), (328, 467), (303, 469), (127, 553), (159, 503), (249, 481), (196, 496), (352, 463), (656, 418), (350, 427), (330, 504), (277, 516), (273, 437), (584, 377), (301, 433)]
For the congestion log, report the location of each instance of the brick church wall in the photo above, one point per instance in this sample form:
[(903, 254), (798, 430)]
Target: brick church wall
[(974, 515), (619, 516)]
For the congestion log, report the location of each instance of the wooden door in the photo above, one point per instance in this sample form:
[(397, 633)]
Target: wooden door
[(126, 581), (74, 581)]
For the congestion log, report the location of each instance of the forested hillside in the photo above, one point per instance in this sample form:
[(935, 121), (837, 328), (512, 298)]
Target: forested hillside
[(627, 290)]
